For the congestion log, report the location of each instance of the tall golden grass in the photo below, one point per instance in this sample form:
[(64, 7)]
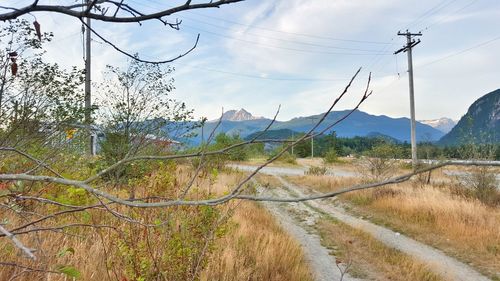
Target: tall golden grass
[(256, 248)]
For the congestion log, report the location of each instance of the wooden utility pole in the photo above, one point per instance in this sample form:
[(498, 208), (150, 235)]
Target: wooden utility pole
[(312, 137), (88, 95), (410, 43)]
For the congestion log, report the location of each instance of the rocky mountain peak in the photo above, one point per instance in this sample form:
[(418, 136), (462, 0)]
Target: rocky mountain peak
[(443, 124), (239, 115)]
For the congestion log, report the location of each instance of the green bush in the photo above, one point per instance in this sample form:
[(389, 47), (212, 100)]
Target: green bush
[(286, 157), (331, 156)]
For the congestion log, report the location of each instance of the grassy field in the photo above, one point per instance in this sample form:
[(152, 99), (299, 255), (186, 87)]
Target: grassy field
[(235, 241)]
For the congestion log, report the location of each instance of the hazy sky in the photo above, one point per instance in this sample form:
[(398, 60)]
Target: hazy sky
[(259, 54)]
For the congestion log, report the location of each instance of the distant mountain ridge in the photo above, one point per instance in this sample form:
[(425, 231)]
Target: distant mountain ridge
[(359, 123), (481, 123), (443, 124)]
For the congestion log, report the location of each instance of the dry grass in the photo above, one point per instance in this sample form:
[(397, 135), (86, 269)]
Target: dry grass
[(121, 249), (256, 248), (434, 214), (370, 258), (268, 181), (251, 245)]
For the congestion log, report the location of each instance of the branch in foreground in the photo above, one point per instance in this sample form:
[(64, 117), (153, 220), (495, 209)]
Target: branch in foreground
[(70, 11), (17, 243), (136, 57), (236, 195)]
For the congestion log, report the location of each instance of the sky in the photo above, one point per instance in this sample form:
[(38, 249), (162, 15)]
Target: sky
[(260, 54)]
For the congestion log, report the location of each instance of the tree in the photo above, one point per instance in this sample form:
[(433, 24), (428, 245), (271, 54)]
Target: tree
[(136, 109), (38, 99)]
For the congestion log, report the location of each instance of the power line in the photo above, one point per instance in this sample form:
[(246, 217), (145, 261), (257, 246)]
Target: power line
[(440, 21), (280, 47), (284, 40), (280, 31), (369, 52), (254, 76), (461, 52), (430, 12)]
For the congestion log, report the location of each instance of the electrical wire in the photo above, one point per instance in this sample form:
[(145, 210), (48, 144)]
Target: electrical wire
[(461, 52)]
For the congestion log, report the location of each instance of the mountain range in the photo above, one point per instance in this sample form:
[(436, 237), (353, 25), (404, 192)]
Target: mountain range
[(359, 123)]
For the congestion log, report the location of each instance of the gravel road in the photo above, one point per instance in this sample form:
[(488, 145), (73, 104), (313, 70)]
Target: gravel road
[(438, 261), (289, 171)]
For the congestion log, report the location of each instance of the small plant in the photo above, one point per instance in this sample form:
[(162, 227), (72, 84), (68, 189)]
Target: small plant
[(342, 265), (286, 157), (331, 156), (316, 171), (380, 162), (483, 185)]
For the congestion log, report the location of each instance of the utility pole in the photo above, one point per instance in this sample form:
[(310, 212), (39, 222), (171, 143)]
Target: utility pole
[(312, 137), (410, 43), (88, 95)]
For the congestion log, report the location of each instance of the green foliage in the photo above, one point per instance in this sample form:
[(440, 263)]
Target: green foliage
[(72, 196), (286, 157), (182, 242), (331, 156), (222, 141), (385, 151), (64, 251), (69, 271)]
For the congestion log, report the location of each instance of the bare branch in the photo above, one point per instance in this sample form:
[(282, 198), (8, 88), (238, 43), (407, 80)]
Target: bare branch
[(136, 57), (27, 267), (17, 243), (390, 181), (39, 162), (235, 193), (68, 10)]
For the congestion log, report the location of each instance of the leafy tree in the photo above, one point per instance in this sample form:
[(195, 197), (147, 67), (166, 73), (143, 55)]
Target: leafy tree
[(136, 109), (39, 100)]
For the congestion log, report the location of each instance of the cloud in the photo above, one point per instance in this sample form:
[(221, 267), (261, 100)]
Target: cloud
[(293, 39)]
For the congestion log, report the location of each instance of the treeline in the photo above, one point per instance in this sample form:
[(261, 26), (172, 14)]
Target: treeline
[(332, 146), (358, 146)]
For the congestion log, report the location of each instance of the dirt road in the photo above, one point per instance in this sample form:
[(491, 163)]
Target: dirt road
[(439, 262)]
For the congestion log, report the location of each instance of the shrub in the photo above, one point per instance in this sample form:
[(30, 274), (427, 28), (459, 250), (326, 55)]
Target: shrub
[(330, 156), (483, 185), (316, 171), (287, 157)]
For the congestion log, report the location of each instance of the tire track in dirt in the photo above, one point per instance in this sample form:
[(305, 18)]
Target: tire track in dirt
[(437, 261), (321, 262)]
